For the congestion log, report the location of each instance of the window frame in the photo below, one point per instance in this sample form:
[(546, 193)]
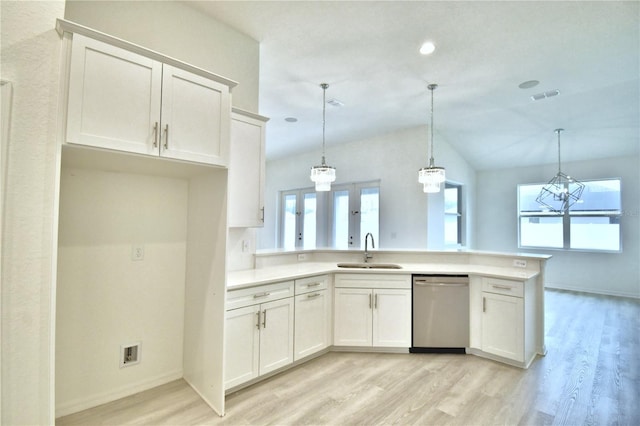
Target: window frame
[(459, 215), (566, 221)]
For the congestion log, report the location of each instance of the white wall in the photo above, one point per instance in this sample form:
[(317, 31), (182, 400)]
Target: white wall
[(30, 59), (179, 31), (608, 273), (394, 159), (104, 298)]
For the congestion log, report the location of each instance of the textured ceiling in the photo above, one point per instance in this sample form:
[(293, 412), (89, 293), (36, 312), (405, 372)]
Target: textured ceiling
[(368, 53)]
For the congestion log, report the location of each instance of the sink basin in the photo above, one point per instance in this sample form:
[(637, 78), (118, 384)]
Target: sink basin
[(369, 265)]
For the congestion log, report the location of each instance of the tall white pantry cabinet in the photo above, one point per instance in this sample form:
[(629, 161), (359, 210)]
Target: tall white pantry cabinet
[(135, 120)]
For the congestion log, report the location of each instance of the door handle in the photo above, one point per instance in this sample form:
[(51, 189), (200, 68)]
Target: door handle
[(166, 137), (155, 135)]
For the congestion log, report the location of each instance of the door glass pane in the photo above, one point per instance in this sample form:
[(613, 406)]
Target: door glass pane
[(541, 231), (289, 222), (451, 200), (369, 213), (341, 219), (451, 229), (309, 221), (596, 233)]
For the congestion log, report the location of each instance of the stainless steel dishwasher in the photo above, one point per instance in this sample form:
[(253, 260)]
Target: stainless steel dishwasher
[(440, 314)]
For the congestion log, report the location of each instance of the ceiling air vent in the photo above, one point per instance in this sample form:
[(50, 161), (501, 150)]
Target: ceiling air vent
[(544, 95)]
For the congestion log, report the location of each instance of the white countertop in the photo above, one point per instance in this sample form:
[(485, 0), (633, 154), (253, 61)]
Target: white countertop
[(254, 277)]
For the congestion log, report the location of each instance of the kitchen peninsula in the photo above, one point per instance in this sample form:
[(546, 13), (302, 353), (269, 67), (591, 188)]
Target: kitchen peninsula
[(315, 303)]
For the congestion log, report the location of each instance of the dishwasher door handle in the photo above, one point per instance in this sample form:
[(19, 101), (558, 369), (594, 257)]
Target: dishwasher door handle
[(430, 284)]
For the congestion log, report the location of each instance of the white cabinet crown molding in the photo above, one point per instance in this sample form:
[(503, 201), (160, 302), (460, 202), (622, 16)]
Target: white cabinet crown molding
[(63, 26)]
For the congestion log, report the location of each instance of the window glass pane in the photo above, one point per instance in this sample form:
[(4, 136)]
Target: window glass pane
[(451, 229), (309, 232), (541, 231), (598, 195), (341, 219), (451, 200), (527, 195), (289, 222), (596, 233), (369, 213)]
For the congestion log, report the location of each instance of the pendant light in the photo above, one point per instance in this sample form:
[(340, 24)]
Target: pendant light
[(431, 177), (323, 175), (562, 191)]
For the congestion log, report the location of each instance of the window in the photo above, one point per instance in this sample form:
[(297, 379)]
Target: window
[(593, 223), (452, 214), (354, 210), (339, 219), (298, 219)]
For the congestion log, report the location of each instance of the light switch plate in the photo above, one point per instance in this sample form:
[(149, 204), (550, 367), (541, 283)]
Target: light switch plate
[(519, 263)]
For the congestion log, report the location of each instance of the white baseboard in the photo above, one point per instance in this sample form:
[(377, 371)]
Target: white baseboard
[(553, 286), (91, 401)]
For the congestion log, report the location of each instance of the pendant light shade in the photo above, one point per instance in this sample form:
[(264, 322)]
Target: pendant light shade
[(562, 191), (432, 176), (323, 174)]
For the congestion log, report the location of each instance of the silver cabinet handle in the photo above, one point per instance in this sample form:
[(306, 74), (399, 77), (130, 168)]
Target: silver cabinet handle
[(155, 135), (369, 301), (484, 304), (258, 323), (313, 284), (502, 287), (311, 296), (262, 214), (264, 319), (166, 137), (375, 302), (259, 295)]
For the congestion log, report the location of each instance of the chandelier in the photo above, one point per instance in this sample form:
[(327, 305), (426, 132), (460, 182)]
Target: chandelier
[(562, 191), (323, 175), (431, 177)]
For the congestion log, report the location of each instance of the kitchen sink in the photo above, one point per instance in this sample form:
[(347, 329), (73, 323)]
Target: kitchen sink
[(369, 265)]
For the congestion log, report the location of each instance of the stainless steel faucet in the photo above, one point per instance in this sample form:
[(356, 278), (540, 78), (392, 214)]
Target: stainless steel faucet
[(368, 256)]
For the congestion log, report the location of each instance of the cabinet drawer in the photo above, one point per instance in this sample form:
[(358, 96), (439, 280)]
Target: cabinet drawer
[(259, 294), (373, 280), (500, 286), (305, 285)]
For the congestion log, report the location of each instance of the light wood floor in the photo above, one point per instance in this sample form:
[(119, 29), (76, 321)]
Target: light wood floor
[(590, 376)]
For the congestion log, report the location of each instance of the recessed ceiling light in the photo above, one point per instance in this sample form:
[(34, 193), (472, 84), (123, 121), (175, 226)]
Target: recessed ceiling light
[(427, 48), (528, 84), (290, 119)]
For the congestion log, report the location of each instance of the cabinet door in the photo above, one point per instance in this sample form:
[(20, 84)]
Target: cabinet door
[(276, 334), (311, 323), (114, 97), (392, 318), (353, 317), (502, 326), (242, 338), (246, 172), (195, 117)]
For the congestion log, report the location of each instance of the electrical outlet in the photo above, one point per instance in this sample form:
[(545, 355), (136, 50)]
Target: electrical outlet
[(302, 256), (519, 263), (137, 252), (129, 354)]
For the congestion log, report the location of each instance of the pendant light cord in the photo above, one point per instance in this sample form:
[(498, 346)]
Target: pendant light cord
[(431, 87), (324, 107)]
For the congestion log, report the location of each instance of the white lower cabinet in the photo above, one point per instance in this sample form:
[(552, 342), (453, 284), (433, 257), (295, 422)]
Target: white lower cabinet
[(258, 337), (372, 310), (502, 322), (312, 316), (507, 319)]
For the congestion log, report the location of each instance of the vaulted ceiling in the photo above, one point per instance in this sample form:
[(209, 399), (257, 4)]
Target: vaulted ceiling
[(367, 51)]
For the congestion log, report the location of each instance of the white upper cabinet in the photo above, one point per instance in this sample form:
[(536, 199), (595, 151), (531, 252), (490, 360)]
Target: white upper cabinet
[(125, 101), (246, 169)]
